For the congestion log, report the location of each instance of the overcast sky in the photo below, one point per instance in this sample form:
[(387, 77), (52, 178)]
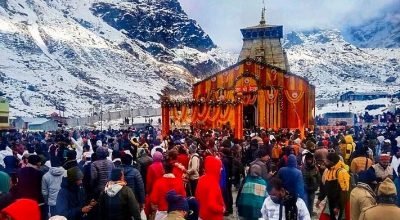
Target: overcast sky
[(222, 19)]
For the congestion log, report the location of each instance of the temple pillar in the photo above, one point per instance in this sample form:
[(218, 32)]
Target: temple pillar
[(165, 112), (239, 119)]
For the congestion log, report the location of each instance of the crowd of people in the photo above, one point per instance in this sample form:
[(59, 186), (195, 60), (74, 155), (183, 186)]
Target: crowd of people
[(347, 174)]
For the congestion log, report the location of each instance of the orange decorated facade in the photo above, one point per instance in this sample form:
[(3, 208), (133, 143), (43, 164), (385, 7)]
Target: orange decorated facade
[(253, 92)]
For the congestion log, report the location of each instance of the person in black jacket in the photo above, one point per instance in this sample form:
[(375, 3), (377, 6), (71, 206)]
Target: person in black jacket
[(312, 179), (71, 160), (118, 202), (29, 183), (71, 197), (133, 178), (227, 161)]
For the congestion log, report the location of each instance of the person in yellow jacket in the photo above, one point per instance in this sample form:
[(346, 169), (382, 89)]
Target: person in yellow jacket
[(336, 182), (347, 148)]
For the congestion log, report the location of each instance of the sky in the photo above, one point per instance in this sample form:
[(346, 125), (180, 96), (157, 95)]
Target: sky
[(222, 19)]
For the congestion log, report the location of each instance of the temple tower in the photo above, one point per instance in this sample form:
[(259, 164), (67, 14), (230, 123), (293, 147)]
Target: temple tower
[(263, 43)]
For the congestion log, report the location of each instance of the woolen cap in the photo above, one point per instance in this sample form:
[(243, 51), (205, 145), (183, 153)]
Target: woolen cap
[(176, 202), (74, 174), (387, 187)]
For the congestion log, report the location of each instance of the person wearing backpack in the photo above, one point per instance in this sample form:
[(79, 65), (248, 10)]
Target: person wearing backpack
[(118, 201), (311, 178), (336, 182), (361, 161), (193, 171)]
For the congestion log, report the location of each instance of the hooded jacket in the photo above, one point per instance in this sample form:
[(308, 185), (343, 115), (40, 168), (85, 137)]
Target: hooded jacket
[(70, 200), (30, 209), (118, 202), (154, 172), (51, 185), (166, 183), (292, 178), (347, 148), (311, 177), (208, 192)]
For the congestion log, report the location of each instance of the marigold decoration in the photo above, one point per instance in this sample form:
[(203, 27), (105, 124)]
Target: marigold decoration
[(214, 115), (202, 115), (249, 99), (225, 113), (279, 100)]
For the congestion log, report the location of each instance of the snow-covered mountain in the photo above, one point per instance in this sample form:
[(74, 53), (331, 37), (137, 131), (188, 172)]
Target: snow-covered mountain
[(382, 31), (77, 53), (336, 66)]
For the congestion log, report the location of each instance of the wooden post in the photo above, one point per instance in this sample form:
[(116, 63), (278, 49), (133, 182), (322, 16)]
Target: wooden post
[(165, 120), (239, 118)]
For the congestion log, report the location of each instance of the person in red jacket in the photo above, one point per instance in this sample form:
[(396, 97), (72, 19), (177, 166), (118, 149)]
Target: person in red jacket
[(183, 156), (158, 194), (21, 209), (179, 169), (208, 192), (154, 172)]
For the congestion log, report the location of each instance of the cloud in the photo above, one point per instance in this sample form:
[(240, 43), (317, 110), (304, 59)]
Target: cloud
[(222, 19)]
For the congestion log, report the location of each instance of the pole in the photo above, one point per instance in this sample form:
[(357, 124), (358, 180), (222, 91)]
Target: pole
[(101, 116)]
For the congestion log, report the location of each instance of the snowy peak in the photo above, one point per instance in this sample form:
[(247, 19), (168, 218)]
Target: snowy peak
[(380, 32), (58, 53), (313, 37), (336, 66)]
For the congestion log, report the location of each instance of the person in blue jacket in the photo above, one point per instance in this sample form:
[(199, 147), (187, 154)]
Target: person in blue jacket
[(292, 178)]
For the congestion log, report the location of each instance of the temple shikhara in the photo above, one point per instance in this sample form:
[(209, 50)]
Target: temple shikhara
[(257, 91)]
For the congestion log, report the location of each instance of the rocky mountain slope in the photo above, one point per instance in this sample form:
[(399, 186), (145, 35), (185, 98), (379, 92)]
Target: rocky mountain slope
[(336, 66), (78, 53)]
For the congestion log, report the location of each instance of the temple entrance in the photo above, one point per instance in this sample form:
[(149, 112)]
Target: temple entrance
[(249, 116)]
